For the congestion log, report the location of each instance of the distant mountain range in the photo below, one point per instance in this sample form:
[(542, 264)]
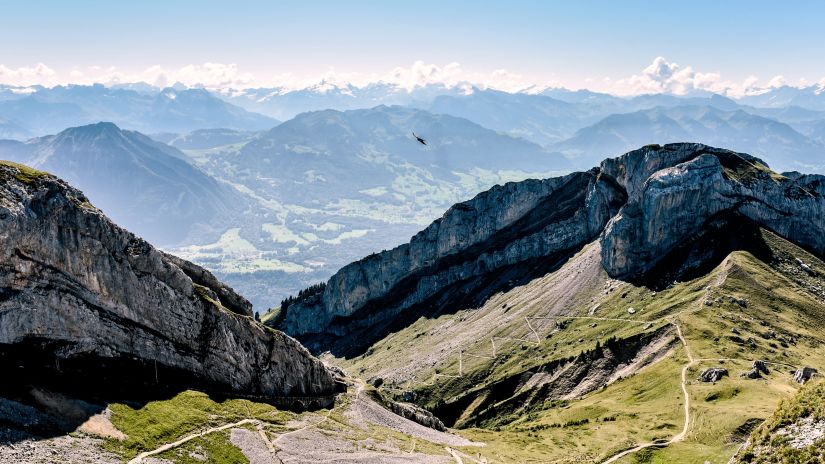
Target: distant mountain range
[(778, 143), (370, 155), (49, 110), (811, 97), (138, 182), (283, 103)]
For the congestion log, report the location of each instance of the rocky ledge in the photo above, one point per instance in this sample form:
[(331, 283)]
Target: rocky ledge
[(85, 298), (660, 212)]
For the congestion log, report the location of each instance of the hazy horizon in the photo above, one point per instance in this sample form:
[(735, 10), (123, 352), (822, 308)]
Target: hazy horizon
[(622, 49)]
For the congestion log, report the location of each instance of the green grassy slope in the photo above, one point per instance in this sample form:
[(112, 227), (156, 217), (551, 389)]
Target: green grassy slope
[(777, 309)]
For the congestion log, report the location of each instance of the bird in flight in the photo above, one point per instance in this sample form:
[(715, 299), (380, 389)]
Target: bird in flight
[(420, 140)]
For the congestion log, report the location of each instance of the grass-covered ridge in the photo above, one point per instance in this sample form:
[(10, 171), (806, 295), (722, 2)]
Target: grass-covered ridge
[(150, 425), (24, 173)]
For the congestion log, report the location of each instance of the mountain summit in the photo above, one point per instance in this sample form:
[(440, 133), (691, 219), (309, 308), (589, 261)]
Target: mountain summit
[(143, 184)]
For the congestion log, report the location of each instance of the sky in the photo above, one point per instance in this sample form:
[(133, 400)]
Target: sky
[(626, 46)]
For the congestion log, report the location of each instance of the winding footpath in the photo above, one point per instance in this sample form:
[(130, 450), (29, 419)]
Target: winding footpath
[(140, 457), (681, 435), (259, 425)]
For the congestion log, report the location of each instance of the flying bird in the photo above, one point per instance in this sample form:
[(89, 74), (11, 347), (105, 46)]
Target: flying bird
[(422, 141)]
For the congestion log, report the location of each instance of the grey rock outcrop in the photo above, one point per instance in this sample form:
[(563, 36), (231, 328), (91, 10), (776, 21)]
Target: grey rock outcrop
[(669, 204), (644, 207), (760, 366), (804, 374), (752, 374), (416, 414), (713, 374), (78, 292)]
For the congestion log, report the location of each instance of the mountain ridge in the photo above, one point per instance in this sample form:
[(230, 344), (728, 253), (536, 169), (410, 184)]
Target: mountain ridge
[(632, 202)]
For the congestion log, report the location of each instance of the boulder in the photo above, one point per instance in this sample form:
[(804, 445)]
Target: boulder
[(713, 374), (752, 374), (804, 374), (760, 366)]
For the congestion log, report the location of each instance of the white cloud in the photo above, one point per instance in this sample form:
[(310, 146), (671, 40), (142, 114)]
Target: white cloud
[(777, 81), (660, 76), (663, 76), (37, 74)]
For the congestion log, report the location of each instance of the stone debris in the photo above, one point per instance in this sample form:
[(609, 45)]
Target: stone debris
[(803, 433)]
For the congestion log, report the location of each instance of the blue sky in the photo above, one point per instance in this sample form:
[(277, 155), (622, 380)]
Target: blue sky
[(576, 44)]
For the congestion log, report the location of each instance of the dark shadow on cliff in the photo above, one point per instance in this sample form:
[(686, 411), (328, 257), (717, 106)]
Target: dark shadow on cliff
[(382, 316), (720, 236), (362, 330), (44, 396)]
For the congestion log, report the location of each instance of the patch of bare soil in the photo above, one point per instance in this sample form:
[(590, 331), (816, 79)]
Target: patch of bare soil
[(252, 446), (101, 425), (366, 409)]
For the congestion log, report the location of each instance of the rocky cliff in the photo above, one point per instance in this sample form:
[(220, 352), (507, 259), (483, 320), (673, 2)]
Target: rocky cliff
[(85, 298), (650, 209)]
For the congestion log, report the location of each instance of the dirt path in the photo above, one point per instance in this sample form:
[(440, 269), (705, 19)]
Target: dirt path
[(308, 426), (140, 457), (454, 455), (681, 435), (691, 361)]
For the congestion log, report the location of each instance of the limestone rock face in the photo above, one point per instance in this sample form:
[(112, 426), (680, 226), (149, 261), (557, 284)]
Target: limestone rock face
[(643, 207), (505, 226), (77, 291), (674, 203)]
